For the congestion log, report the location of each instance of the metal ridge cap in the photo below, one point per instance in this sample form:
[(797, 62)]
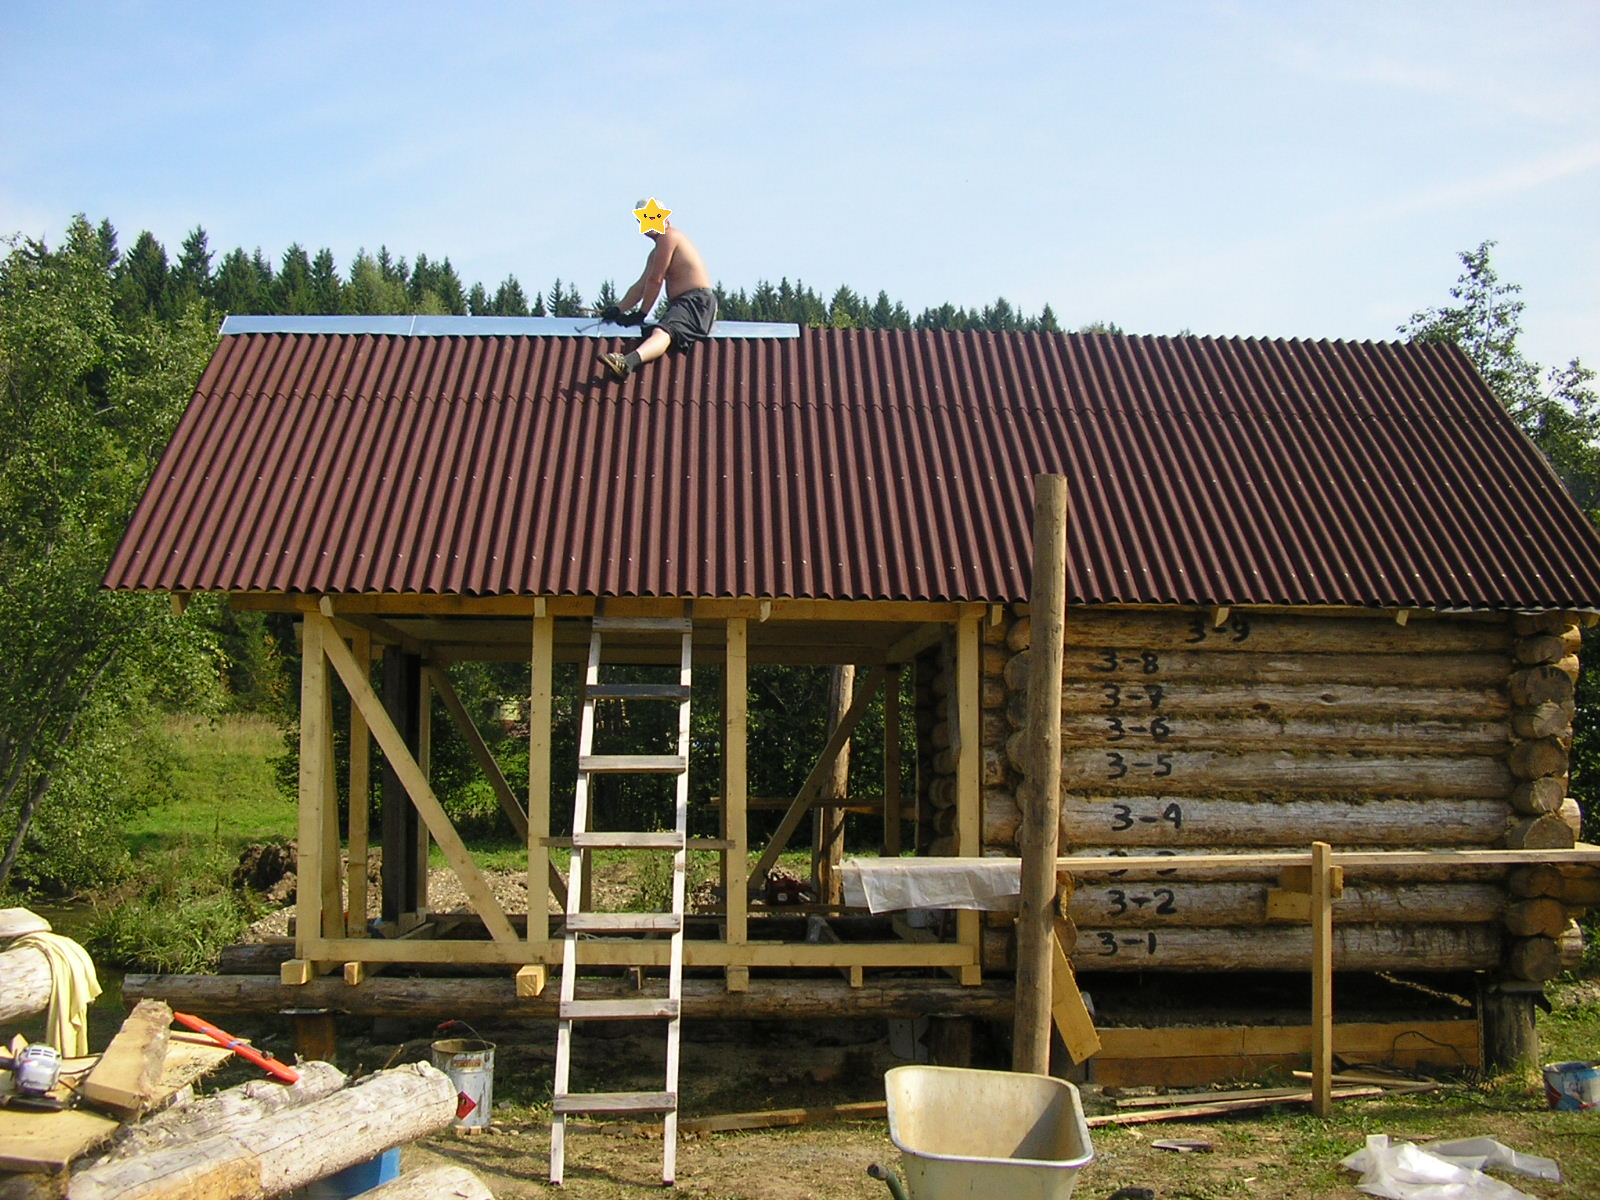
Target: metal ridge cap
[(425, 325)]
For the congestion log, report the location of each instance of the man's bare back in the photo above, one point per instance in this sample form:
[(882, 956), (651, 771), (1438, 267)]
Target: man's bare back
[(679, 262)]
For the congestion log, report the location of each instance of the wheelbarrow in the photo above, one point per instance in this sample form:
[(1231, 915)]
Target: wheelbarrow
[(965, 1134)]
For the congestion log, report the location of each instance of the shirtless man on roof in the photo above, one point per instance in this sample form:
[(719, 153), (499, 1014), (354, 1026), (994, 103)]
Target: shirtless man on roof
[(691, 304)]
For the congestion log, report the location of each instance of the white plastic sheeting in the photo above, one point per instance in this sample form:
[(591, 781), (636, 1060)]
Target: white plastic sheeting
[(1443, 1170), (892, 884)]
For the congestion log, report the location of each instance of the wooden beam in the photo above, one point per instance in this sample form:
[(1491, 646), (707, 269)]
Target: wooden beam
[(969, 775), (316, 769), (1322, 870), (892, 816), (416, 784), (819, 774), (736, 792), (125, 1080), (357, 840), (865, 1110), (1068, 1011), (541, 707), (1041, 790)]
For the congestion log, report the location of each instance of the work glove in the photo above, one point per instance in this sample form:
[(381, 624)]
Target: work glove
[(611, 315), (636, 317)]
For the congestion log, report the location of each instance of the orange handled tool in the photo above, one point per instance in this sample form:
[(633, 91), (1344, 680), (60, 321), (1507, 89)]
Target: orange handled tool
[(226, 1040)]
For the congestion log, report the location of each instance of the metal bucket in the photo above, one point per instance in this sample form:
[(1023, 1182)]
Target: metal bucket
[(470, 1064), (1572, 1086), (964, 1134)]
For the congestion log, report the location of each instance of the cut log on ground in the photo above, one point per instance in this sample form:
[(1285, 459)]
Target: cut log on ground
[(291, 1148), (234, 1108), (24, 983), (436, 1183)]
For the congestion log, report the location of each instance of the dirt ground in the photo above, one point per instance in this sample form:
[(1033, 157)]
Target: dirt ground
[(1281, 1154)]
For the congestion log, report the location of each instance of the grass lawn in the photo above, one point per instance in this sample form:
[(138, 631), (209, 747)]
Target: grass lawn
[(221, 787)]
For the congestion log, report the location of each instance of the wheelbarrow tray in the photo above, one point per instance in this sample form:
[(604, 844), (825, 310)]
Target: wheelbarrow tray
[(964, 1134)]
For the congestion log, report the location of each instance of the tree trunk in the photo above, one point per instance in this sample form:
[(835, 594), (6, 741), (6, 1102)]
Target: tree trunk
[(435, 1183), (24, 983)]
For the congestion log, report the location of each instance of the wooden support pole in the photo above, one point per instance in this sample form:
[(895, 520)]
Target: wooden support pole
[(969, 776), (1322, 887), (828, 824), (316, 767), (355, 873), (891, 764), (1041, 789), (736, 792), (541, 705)]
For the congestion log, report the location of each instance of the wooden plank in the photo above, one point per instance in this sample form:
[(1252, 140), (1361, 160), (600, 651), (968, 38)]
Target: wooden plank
[(640, 763), (1363, 1038), (866, 1110), (48, 1141), (1068, 1010), (417, 787), (1221, 1108), (629, 840), (1322, 870), (614, 1102), (624, 922), (735, 872), (812, 787), (125, 1080), (643, 1009)]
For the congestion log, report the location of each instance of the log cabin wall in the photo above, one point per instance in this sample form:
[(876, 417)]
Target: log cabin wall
[(1190, 730)]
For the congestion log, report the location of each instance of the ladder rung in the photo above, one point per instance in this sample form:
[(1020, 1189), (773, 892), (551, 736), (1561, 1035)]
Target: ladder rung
[(643, 1008), (638, 691), (628, 841), (614, 1102), (641, 763), (624, 922), (644, 624)]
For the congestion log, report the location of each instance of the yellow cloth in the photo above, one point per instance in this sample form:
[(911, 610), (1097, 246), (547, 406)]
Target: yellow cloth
[(73, 987)]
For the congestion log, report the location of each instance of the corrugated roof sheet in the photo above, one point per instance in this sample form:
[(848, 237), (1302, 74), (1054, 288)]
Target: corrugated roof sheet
[(852, 464)]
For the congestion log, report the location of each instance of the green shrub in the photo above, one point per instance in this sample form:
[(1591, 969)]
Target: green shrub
[(177, 915)]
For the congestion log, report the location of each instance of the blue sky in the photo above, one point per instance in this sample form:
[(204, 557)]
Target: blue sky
[(1246, 168)]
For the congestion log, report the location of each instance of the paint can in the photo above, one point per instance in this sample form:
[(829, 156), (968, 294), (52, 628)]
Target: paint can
[(470, 1064), (1572, 1086)]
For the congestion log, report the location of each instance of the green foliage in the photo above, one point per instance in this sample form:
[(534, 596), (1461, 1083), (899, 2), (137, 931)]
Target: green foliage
[(92, 378), (176, 917), (1560, 412)]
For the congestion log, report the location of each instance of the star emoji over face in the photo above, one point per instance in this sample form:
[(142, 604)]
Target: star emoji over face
[(652, 217)]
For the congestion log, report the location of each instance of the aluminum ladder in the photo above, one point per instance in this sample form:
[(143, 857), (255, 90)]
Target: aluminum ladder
[(624, 926)]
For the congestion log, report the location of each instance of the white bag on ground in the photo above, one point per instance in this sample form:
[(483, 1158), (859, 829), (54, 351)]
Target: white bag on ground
[(1405, 1171)]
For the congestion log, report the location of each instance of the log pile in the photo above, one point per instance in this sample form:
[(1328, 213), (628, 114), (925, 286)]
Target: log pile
[(1210, 730), (138, 1134)]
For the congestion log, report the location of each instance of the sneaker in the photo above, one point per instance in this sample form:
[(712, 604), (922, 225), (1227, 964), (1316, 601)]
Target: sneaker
[(615, 364)]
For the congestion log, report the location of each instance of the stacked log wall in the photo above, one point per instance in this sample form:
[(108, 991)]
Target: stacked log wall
[(1203, 731)]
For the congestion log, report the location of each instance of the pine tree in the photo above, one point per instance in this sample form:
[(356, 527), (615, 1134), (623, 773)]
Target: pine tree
[(191, 278), (292, 291), (236, 287), (142, 284), (478, 301), (509, 299), (325, 283)]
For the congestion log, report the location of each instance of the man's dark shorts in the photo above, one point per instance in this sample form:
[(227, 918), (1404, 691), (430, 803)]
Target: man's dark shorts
[(689, 317)]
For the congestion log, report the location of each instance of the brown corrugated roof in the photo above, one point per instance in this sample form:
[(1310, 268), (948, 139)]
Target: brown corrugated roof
[(857, 465)]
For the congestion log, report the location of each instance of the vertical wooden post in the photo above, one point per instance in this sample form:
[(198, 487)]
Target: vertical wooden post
[(891, 763), (1039, 832), (402, 686), (828, 823), (316, 767), (541, 705), (355, 875), (969, 777), (736, 794), (1322, 887)]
